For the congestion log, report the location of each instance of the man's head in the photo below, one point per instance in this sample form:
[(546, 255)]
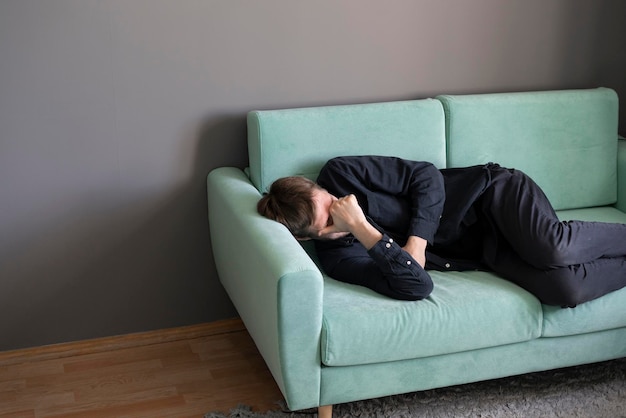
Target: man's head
[(299, 204)]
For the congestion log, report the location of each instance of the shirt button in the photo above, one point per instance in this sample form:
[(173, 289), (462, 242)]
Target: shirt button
[(447, 265), (408, 262), (391, 240), (388, 245)]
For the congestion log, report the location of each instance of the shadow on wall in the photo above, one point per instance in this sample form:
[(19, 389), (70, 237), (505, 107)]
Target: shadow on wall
[(609, 56), (120, 261)]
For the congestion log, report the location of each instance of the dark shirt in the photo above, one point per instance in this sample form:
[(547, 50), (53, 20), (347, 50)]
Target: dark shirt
[(403, 198)]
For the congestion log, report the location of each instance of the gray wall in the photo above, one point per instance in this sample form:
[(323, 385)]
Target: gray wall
[(112, 112)]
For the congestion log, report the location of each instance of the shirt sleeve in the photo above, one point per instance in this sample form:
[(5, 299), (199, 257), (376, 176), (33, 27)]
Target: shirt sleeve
[(421, 183), (386, 268)]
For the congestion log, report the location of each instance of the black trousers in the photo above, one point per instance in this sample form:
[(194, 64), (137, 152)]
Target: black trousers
[(563, 263)]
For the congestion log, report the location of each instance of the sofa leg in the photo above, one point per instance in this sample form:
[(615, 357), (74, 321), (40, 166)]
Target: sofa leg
[(325, 411)]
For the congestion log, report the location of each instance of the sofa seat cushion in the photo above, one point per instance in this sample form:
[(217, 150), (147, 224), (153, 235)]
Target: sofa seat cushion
[(606, 312), (466, 311)]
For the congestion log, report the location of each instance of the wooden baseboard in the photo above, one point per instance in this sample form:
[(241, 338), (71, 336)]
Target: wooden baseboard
[(98, 345)]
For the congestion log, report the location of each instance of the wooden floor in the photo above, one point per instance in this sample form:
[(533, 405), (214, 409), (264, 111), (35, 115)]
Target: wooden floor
[(172, 373)]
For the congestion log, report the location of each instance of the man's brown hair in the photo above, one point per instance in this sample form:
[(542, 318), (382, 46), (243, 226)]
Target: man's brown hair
[(290, 202)]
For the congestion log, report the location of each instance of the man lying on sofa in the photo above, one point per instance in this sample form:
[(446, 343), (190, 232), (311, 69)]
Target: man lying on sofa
[(380, 222)]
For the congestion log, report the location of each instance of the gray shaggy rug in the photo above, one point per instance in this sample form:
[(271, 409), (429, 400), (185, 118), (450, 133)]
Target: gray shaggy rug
[(588, 391)]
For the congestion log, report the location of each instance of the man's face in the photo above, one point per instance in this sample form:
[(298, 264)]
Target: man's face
[(322, 202)]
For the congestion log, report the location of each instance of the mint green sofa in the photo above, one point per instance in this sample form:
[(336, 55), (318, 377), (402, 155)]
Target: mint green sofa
[(328, 342)]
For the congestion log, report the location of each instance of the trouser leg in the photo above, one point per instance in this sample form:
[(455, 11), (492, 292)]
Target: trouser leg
[(565, 286), (519, 210)]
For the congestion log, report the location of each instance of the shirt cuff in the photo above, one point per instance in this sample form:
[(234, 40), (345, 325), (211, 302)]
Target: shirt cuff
[(423, 229), (392, 259)]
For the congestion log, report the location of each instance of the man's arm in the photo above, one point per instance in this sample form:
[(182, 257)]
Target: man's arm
[(349, 217), (381, 264), (375, 261), (416, 246), (420, 183), (384, 268)]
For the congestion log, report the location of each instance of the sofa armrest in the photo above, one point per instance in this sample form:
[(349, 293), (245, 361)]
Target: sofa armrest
[(275, 286), (621, 175)]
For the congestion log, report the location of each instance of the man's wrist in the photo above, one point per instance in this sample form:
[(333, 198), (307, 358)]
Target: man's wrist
[(367, 235), (416, 246), (415, 242)]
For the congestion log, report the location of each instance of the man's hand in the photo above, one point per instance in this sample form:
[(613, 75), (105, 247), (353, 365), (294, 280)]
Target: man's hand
[(416, 246), (347, 216)]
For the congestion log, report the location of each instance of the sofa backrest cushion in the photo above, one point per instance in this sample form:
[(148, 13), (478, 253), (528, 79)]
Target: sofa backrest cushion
[(299, 141), (565, 140)]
